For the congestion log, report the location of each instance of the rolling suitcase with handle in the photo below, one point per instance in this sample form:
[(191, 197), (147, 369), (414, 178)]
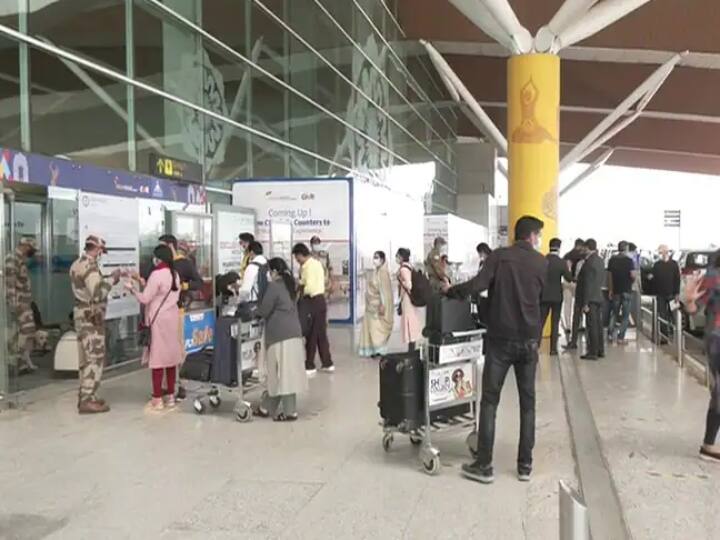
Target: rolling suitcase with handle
[(401, 389)]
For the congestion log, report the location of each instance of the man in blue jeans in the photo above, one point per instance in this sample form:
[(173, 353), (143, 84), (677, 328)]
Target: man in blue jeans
[(621, 277), (515, 277)]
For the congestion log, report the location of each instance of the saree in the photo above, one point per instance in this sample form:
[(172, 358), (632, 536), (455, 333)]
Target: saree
[(377, 323)]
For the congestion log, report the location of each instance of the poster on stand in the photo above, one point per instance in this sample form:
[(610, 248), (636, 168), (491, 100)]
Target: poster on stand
[(116, 220), (314, 207), (199, 330), (230, 223)]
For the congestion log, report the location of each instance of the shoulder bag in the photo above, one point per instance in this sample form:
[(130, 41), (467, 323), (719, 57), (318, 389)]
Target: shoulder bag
[(144, 336)]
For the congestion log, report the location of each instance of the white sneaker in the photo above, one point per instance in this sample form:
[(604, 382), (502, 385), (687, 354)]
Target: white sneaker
[(311, 372), (329, 369)]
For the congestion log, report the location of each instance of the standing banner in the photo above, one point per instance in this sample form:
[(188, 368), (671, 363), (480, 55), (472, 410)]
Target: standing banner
[(116, 220), (229, 223), (315, 207), (199, 330)]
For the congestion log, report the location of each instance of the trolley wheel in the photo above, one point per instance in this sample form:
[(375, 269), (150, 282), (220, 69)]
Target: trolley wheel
[(416, 439), (387, 441), (215, 401), (198, 406), (472, 440), (243, 412), (432, 466)]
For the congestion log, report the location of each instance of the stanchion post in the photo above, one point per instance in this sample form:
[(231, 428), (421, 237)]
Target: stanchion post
[(679, 337), (655, 322), (574, 520)]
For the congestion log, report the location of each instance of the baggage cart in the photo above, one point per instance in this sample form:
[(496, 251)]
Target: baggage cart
[(248, 347), (451, 396)]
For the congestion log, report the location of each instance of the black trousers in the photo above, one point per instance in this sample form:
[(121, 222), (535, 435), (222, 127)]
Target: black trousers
[(554, 308), (594, 331), (316, 338), (712, 422), (665, 313), (576, 322), (501, 355)]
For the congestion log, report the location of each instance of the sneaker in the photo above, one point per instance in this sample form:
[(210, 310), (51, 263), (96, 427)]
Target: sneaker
[(90, 406), (709, 455), (311, 372), (156, 404), (328, 369), (479, 473), (169, 402), (181, 393), (523, 473)]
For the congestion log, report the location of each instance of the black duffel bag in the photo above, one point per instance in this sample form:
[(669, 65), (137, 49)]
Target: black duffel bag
[(198, 366)]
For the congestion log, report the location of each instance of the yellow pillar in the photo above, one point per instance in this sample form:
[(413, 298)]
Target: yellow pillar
[(533, 135)]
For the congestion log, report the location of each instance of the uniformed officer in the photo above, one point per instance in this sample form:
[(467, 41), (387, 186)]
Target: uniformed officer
[(91, 290), (19, 294), (434, 266), (324, 257)]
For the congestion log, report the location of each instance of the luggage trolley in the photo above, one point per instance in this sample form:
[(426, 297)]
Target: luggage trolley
[(451, 379), (248, 345)]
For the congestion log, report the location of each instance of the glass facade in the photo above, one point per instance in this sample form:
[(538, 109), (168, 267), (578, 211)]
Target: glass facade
[(242, 88), (246, 88)]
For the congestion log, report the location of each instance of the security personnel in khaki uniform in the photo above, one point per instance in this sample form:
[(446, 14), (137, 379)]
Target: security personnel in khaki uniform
[(19, 295), (91, 290), (434, 267)]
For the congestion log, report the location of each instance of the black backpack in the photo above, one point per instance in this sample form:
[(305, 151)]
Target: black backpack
[(421, 289), (261, 284)]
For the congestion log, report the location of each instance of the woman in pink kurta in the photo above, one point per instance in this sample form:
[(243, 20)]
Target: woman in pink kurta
[(160, 298), (410, 316)]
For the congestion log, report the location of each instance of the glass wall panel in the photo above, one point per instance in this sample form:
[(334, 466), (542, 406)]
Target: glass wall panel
[(9, 94), (77, 113), (95, 30)]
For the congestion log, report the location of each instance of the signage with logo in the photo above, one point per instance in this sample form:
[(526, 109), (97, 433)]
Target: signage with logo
[(175, 169), (451, 383), (672, 218), (198, 330)]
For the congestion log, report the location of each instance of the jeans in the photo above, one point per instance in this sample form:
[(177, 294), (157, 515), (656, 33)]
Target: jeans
[(555, 309), (501, 355), (712, 421), (594, 331), (619, 303)]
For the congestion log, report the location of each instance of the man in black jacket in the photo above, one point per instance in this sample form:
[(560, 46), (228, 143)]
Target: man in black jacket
[(666, 285), (514, 277), (572, 316), (552, 297), (590, 284)]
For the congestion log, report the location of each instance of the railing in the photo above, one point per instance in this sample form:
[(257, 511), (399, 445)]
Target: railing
[(671, 334)]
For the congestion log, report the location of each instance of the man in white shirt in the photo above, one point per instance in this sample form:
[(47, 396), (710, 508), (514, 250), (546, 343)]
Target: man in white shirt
[(250, 287)]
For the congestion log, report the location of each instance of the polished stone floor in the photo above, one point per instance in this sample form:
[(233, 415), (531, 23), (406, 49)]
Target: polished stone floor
[(183, 476)]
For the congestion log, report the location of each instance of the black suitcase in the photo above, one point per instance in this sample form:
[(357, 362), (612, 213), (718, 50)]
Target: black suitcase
[(224, 367), (445, 316), (401, 389), (197, 366)]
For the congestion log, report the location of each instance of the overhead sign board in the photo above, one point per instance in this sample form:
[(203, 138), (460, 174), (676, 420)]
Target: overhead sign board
[(175, 169)]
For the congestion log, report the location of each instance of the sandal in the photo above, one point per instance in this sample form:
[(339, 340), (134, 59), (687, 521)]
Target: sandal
[(282, 417), (262, 413)]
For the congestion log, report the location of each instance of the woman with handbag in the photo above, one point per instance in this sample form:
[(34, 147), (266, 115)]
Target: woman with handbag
[(159, 333), (284, 365)]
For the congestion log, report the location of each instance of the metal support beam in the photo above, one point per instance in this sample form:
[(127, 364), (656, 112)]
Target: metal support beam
[(129, 89), (610, 126), (498, 20), (594, 166), (487, 125), (25, 85), (476, 12), (600, 16), (569, 12)]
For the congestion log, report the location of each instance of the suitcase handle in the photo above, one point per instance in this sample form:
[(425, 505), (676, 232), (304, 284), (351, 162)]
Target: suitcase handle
[(468, 333)]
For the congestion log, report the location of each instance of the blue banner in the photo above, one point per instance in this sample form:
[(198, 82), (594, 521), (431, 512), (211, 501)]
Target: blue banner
[(48, 171), (199, 330)]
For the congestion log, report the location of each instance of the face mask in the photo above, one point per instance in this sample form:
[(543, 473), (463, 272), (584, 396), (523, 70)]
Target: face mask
[(156, 261), (538, 243), (443, 250), (377, 262), (315, 247), (398, 260)]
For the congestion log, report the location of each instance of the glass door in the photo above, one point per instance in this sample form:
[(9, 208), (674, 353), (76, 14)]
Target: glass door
[(7, 362)]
